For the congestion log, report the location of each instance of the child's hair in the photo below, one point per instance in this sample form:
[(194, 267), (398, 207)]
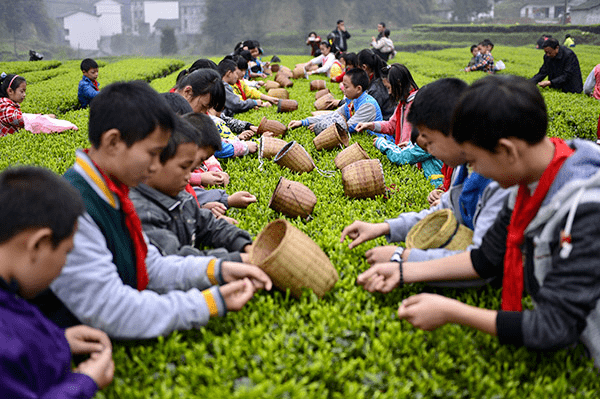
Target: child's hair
[(183, 133), (178, 104), (550, 42), (88, 64), (202, 63), (251, 44), (241, 62), (133, 108), (414, 134), (386, 32), (567, 35), (312, 33), (473, 47), (358, 77), (226, 65), (34, 197), (501, 107), (246, 55), (203, 81), (434, 104), (204, 125), (373, 61), (351, 59), (11, 80), (325, 43), (488, 42), (401, 81)]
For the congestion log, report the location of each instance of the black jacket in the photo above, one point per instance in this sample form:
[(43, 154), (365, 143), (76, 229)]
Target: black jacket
[(340, 39), (379, 92), (562, 71)]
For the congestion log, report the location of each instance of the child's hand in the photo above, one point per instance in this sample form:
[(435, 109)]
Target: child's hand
[(232, 271), (312, 127), (84, 339), (265, 104), (360, 232), (427, 311), (245, 257), (216, 208), (252, 147), (241, 199), (246, 135), (434, 196), (375, 141), (237, 294), (380, 254), (228, 219), (268, 134), (364, 126), (225, 177), (403, 144), (383, 277), (212, 179), (100, 367), (254, 128), (294, 124)]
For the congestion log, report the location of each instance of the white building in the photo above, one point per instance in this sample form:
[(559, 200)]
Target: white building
[(145, 14), (587, 13), (547, 11), (82, 30), (109, 12)]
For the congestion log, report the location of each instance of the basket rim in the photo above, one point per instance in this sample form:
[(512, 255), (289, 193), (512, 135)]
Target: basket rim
[(278, 247), (283, 151)]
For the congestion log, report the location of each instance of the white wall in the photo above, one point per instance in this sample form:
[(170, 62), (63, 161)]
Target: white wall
[(84, 31), (154, 10), (586, 17), (109, 12)]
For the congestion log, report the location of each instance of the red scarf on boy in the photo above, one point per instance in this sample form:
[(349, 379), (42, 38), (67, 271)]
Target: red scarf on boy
[(526, 207), (134, 225)]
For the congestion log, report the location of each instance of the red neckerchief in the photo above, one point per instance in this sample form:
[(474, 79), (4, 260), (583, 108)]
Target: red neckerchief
[(239, 85), (526, 207), (351, 108), (447, 172), (132, 221), (95, 83), (190, 190)]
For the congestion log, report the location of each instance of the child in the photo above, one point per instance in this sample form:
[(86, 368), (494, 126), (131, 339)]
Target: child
[(12, 94), (474, 200), (349, 61), (114, 280), (88, 85), (314, 41), (404, 88), (476, 56), (374, 65), (545, 239), (203, 89), (234, 104), (486, 60), (170, 216), (325, 60), (414, 152), (35, 236), (243, 90), (359, 106)]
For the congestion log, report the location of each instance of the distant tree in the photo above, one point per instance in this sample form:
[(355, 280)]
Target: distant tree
[(168, 43), (465, 10)]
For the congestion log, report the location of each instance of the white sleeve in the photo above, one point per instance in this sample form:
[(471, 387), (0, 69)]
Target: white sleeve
[(326, 65)]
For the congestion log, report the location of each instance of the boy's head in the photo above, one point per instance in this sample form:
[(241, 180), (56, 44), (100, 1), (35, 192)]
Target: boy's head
[(474, 50), (356, 81), (39, 214), (89, 67), (489, 46), (228, 71), (129, 125), (351, 60), (242, 66), (431, 113), (177, 160), (209, 138), (506, 109), (178, 104)]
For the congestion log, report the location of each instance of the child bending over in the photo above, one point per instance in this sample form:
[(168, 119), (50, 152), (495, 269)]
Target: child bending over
[(36, 234)]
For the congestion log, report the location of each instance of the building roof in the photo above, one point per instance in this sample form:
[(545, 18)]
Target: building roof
[(544, 3), (586, 6), (78, 12), (162, 23)]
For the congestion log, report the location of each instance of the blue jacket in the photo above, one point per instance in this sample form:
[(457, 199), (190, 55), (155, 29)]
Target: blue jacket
[(86, 91)]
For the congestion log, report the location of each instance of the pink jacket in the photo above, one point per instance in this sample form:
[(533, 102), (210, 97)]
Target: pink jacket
[(390, 127)]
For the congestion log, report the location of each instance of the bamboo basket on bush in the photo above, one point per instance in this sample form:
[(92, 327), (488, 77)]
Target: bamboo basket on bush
[(353, 153), (269, 125), (316, 85), (287, 105), (270, 146), (298, 72), (293, 199), (271, 84), (283, 79), (363, 179), (280, 93), (439, 229), (326, 102), (294, 157), (292, 260), (333, 136)]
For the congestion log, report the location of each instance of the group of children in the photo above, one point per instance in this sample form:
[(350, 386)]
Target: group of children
[(134, 227), (482, 60)]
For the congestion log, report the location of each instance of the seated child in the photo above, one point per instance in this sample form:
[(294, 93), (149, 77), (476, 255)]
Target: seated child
[(88, 85), (324, 61), (476, 56), (36, 235), (474, 200), (245, 91), (114, 279), (349, 61), (257, 68), (414, 152), (486, 60), (544, 240), (359, 106), (170, 216), (233, 103), (12, 94)]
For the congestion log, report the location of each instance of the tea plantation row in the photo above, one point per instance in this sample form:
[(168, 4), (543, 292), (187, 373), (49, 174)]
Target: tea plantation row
[(348, 344)]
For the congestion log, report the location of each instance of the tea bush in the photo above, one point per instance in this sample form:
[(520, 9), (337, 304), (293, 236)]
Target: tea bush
[(348, 344)]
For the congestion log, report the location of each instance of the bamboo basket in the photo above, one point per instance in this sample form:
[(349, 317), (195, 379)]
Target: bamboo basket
[(292, 260), (294, 157), (274, 68), (333, 136), (268, 125), (439, 229), (316, 85), (298, 72), (321, 93), (287, 105), (363, 179), (285, 71), (293, 199), (271, 84), (283, 79), (280, 93), (270, 146), (353, 153), (326, 102)]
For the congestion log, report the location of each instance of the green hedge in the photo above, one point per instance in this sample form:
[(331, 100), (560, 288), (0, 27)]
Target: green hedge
[(348, 344)]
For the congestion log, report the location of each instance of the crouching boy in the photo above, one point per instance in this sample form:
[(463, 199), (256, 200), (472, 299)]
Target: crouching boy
[(545, 239), (114, 280), (39, 217), (170, 216)]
